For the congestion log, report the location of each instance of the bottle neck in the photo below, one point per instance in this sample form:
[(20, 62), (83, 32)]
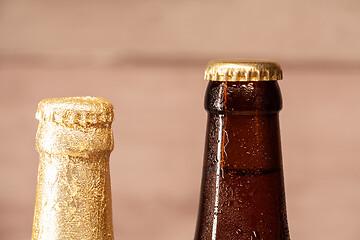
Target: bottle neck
[(245, 117), (242, 186), (243, 98), (60, 139), (73, 199)]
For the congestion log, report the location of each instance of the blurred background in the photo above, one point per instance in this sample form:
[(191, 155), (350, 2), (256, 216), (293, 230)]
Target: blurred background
[(148, 58)]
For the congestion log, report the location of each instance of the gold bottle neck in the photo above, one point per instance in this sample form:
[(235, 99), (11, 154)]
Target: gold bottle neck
[(59, 139), (73, 198)]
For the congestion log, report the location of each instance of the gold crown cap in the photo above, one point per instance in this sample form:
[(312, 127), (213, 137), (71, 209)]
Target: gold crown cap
[(82, 111), (76, 126), (243, 70)]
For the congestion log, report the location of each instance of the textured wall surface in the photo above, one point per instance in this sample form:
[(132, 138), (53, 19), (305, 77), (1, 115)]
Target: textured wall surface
[(111, 30), (148, 59)]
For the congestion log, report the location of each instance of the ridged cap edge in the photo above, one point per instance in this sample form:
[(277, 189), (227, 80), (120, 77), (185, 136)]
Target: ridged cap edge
[(80, 111), (243, 70)]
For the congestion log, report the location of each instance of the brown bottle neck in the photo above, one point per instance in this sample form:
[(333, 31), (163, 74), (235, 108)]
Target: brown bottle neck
[(243, 98), (242, 186), (245, 116)]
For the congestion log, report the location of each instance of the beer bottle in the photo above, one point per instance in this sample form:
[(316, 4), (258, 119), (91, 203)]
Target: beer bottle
[(242, 191), (74, 141)]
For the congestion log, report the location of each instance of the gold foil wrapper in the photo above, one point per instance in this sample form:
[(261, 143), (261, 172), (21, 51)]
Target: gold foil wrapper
[(73, 199)]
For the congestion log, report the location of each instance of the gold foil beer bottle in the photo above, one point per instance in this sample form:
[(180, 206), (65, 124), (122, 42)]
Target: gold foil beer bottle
[(74, 140), (242, 193)]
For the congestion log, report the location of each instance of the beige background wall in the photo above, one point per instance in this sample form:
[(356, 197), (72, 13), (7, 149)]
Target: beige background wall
[(147, 58), (112, 31)]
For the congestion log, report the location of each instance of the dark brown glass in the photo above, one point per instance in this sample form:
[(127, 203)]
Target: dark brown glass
[(242, 193)]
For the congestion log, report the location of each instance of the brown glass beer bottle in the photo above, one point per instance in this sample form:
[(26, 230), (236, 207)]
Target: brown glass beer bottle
[(242, 193)]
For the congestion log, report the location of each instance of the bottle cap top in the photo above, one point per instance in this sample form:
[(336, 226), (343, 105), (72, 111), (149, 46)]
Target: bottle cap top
[(243, 70), (81, 111), (75, 126)]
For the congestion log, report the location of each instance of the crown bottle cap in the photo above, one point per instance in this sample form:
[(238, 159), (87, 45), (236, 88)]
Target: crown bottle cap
[(81, 111), (243, 70), (76, 126)]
